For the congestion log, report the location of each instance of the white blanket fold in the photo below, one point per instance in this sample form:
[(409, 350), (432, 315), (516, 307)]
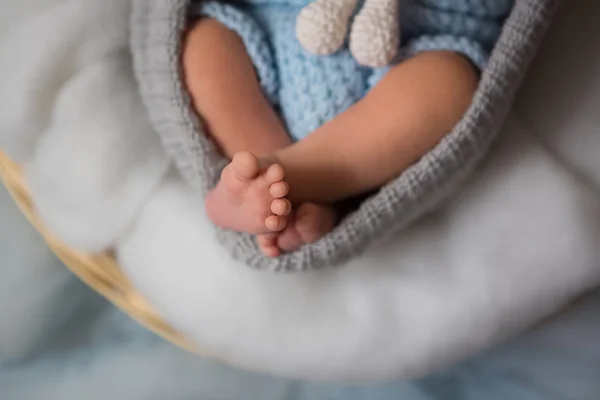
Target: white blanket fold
[(518, 244), (499, 258), (72, 115)]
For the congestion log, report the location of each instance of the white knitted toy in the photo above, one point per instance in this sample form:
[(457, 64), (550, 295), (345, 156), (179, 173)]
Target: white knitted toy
[(374, 37)]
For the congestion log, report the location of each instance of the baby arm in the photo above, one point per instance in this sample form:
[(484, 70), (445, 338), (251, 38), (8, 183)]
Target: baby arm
[(414, 106)]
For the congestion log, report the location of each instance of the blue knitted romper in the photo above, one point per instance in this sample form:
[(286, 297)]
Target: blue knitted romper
[(309, 90)]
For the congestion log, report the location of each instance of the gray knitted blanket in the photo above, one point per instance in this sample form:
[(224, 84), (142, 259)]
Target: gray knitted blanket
[(156, 30)]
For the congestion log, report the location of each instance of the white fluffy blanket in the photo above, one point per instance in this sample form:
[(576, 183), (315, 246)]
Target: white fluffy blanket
[(518, 244)]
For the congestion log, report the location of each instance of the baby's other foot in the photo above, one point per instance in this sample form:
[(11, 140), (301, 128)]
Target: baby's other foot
[(268, 244), (309, 223), (250, 197)]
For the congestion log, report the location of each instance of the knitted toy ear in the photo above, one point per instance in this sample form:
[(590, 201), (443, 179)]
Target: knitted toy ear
[(322, 26), (375, 34)]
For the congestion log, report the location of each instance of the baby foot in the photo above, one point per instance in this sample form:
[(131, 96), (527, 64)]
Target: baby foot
[(321, 26), (268, 244), (249, 198), (375, 35), (308, 224)]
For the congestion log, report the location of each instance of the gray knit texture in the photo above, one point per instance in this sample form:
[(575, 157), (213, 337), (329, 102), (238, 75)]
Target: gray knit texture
[(157, 28)]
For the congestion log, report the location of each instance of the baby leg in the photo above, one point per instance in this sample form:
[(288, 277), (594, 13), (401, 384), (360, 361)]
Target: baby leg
[(404, 116), (225, 91), (414, 106)]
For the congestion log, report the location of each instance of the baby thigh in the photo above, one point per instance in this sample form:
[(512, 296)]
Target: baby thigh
[(229, 76)]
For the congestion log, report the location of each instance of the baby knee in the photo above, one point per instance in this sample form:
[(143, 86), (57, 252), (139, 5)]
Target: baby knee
[(206, 33)]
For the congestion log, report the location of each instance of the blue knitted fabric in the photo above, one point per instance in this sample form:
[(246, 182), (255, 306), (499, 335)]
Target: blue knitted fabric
[(309, 90)]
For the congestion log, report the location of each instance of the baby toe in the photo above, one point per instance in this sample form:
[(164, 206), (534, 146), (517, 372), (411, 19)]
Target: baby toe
[(275, 223), (281, 207), (245, 165), (279, 189), (274, 173), (271, 251), (268, 245)]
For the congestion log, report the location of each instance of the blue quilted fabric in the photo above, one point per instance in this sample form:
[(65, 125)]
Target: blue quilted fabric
[(309, 90)]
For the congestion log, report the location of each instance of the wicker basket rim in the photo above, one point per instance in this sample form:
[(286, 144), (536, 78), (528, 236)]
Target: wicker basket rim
[(100, 272)]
